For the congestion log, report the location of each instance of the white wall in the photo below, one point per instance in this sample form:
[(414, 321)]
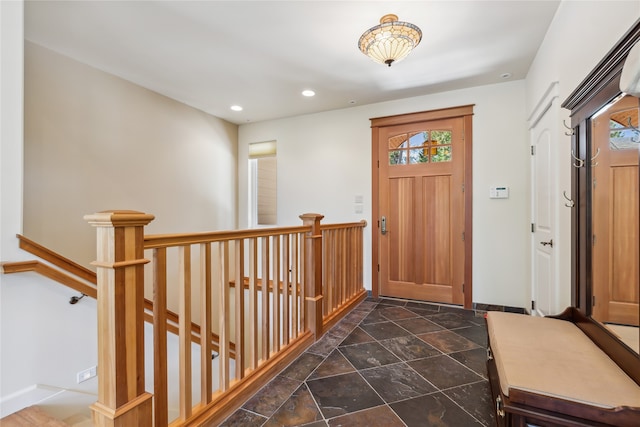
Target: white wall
[(324, 161), (94, 142), (581, 34)]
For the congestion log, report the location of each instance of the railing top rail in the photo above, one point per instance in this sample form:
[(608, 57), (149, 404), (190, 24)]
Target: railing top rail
[(168, 240), (362, 224)]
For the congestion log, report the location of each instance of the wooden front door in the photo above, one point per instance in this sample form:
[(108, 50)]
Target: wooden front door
[(615, 213), (421, 210)]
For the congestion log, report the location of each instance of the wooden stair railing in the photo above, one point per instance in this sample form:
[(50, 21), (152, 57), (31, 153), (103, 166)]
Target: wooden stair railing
[(342, 269), (84, 273), (275, 291)]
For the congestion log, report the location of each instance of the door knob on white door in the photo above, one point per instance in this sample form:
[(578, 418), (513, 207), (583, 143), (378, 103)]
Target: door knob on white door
[(549, 243)]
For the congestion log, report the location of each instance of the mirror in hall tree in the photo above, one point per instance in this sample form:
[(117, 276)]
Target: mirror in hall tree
[(615, 144), (605, 223)]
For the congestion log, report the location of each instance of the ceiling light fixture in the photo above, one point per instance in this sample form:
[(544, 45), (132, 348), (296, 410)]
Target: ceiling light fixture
[(390, 41), (308, 92), (236, 108)]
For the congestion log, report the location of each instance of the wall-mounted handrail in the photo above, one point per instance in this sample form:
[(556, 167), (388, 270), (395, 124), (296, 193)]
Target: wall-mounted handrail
[(56, 259), (51, 273)]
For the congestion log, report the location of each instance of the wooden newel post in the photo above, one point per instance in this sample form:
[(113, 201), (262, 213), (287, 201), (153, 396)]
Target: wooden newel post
[(313, 273), (122, 400)]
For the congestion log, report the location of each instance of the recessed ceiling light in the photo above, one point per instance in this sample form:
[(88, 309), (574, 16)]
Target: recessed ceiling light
[(236, 108), (505, 75), (308, 92)]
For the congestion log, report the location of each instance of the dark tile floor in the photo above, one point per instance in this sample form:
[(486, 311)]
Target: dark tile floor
[(387, 363)]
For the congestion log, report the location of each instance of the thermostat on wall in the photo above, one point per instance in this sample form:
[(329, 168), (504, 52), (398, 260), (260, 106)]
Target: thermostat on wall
[(499, 193)]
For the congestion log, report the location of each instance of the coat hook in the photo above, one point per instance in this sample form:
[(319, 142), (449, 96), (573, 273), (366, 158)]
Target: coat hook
[(594, 157), (571, 203), (580, 162), (573, 132)]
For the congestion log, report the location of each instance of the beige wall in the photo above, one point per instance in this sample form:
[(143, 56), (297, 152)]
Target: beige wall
[(95, 142)]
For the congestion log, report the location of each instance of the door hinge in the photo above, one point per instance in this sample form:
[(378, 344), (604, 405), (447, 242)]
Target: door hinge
[(593, 300), (463, 188), (463, 236), (463, 288), (593, 240), (594, 182), (533, 228), (533, 305), (378, 268), (533, 150)]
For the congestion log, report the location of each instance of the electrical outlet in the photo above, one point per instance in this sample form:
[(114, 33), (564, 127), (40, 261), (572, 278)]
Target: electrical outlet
[(87, 374)]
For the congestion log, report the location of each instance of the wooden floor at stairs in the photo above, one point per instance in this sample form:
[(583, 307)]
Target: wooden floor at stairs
[(31, 417)]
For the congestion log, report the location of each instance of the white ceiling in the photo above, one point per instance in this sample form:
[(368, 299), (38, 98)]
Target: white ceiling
[(262, 54)]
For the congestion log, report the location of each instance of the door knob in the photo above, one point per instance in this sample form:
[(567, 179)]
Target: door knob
[(383, 225), (549, 243)]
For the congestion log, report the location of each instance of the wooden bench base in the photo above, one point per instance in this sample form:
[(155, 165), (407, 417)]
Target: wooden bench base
[(527, 408)]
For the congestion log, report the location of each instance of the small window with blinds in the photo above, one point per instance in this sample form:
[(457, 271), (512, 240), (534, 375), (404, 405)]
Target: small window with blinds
[(263, 183)]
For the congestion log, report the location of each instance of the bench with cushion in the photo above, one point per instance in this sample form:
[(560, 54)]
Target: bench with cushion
[(547, 371)]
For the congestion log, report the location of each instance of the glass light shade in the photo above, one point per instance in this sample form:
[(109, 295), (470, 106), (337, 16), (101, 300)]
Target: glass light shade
[(391, 41)]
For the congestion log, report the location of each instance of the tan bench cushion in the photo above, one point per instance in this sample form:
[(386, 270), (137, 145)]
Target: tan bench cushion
[(555, 358)]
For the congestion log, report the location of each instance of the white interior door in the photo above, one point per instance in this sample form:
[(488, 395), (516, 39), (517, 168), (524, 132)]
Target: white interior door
[(544, 276)]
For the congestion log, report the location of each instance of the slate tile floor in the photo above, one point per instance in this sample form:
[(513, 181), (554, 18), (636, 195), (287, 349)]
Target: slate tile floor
[(387, 363)]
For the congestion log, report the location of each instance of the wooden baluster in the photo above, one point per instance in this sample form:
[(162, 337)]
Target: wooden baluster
[(253, 304), (343, 266), (206, 375), (348, 254), (160, 382), (122, 400), (313, 274), (337, 259), (335, 267), (265, 326), (352, 262), (286, 290), (295, 285), (275, 244), (360, 255), (302, 306), (223, 309), (184, 327), (359, 282), (239, 309), (328, 264)]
